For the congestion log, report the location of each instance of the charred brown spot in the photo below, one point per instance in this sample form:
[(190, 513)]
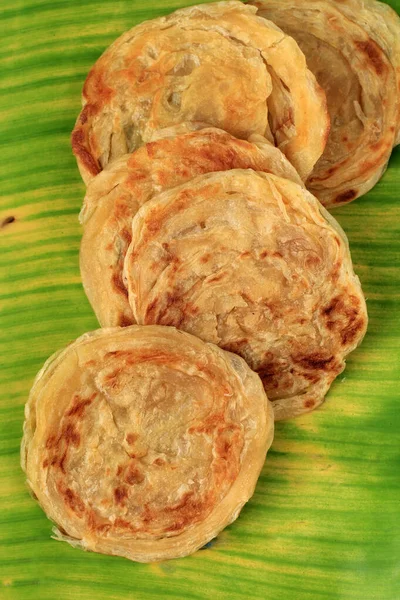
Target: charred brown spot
[(124, 321), (151, 311), (374, 55), (147, 514), (228, 445), (61, 463), (157, 356), (245, 254), (332, 170), (84, 114), (80, 150), (126, 235), (153, 225), (209, 424), (120, 495), (185, 500), (122, 523), (79, 407), (222, 160), (223, 448), (7, 221), (74, 502), (96, 87), (183, 200), (152, 148), (122, 214), (159, 462), (171, 298), (315, 361), (90, 363), (187, 511), (309, 403), (335, 271), (191, 309), (97, 523), (378, 146), (45, 463), (103, 527), (331, 306), (119, 470), (70, 435), (176, 316), (264, 254), (112, 377), (350, 333), (131, 438), (135, 174), (346, 196), (269, 369), (51, 441), (343, 316), (205, 258), (311, 377), (176, 526), (175, 264), (119, 284), (313, 261), (133, 475)]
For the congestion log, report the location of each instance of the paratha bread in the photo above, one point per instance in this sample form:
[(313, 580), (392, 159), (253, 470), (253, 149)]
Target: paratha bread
[(353, 49), (254, 263), (209, 65), (144, 442), (116, 194)]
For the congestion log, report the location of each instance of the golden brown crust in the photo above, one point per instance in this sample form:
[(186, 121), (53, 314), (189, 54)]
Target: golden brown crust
[(209, 65), (353, 49), (253, 263), (114, 197), (144, 442)]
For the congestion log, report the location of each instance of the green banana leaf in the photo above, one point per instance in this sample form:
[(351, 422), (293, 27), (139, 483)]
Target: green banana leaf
[(324, 522)]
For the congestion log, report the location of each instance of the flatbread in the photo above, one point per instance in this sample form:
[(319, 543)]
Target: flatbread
[(210, 65), (144, 442), (116, 194), (251, 262), (353, 49)]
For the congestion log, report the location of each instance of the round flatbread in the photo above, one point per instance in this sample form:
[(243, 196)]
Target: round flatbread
[(253, 263), (144, 442), (209, 65), (353, 49), (116, 194)]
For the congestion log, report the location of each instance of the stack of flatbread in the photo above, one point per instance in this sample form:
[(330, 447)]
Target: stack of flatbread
[(211, 142)]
